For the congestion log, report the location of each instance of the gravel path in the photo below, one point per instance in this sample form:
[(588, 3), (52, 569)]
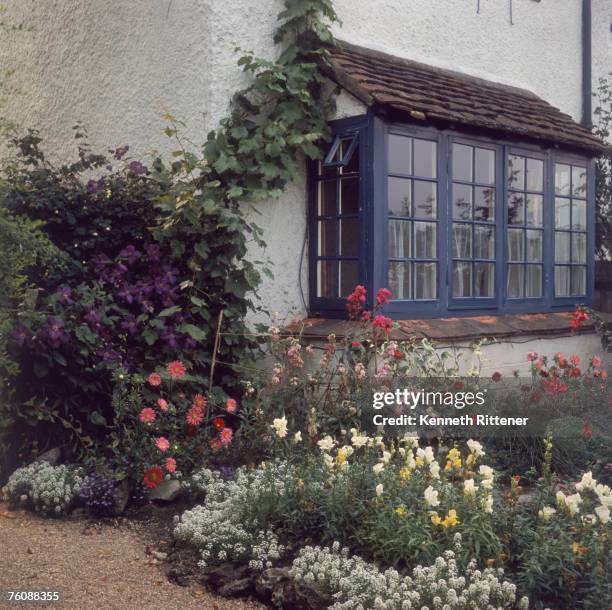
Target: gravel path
[(93, 565)]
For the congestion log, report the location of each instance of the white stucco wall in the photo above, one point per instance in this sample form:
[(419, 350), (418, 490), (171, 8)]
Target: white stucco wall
[(117, 65)]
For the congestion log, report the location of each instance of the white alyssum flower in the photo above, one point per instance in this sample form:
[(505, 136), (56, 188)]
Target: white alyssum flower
[(431, 496), (354, 584), (280, 426)]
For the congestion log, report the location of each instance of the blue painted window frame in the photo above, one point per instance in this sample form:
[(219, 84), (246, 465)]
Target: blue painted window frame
[(373, 134)]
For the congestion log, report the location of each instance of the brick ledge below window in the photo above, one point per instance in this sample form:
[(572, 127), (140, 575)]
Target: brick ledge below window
[(456, 329)]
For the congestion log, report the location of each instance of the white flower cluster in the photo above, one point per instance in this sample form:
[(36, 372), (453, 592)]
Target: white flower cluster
[(225, 527), (354, 584), (589, 488), (51, 489)]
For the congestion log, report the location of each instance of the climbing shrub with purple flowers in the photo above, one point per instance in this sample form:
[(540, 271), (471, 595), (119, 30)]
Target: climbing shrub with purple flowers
[(127, 297)]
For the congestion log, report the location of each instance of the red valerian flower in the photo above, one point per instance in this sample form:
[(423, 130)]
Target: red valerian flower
[(383, 296), (219, 423), (147, 415), (575, 359), (575, 372), (154, 379), (153, 477), (170, 464), (383, 322), (596, 361), (496, 376), (176, 369)]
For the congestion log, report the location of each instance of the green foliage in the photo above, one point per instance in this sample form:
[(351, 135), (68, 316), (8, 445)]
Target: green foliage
[(603, 175)]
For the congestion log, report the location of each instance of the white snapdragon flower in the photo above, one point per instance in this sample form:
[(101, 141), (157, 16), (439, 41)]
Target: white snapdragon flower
[(386, 456), (431, 497), (280, 426), (377, 468), (379, 489), (572, 503), (546, 513), (603, 514), (297, 437), (326, 443), (476, 448), (487, 504), (587, 482), (469, 487), (434, 469), (358, 440), (427, 454)]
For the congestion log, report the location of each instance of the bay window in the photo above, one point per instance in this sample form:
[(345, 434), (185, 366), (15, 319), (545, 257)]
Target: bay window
[(453, 223)]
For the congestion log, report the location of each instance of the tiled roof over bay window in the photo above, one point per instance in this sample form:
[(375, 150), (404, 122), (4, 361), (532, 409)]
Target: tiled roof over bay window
[(407, 88)]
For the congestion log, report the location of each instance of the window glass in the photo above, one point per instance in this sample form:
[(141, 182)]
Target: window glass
[(570, 230), (412, 207), (525, 244), (473, 228)]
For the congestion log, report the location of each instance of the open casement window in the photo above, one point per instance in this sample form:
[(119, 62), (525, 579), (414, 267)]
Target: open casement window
[(335, 221), (451, 224)]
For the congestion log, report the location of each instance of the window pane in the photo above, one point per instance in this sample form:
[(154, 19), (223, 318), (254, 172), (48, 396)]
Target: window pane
[(327, 279), (349, 195), (399, 239), (578, 281), (516, 172), (562, 281), (400, 154), (579, 243), (484, 279), (534, 246), (399, 196), (462, 202), (425, 199), (462, 279), (535, 175), (424, 158), (462, 240), (535, 211), (425, 278), (462, 162), (353, 163), (579, 185), (484, 168), (515, 245), (579, 215), (562, 213), (515, 281), (516, 209), (484, 242), (562, 179), (399, 280), (327, 198), (328, 238), (349, 237), (425, 239), (484, 204), (562, 247), (533, 287), (349, 277)]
